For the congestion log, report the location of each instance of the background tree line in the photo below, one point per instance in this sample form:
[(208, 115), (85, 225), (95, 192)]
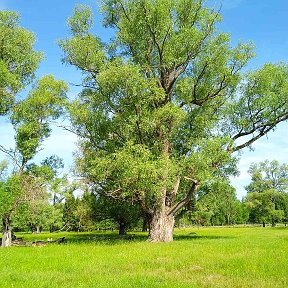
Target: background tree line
[(60, 208)]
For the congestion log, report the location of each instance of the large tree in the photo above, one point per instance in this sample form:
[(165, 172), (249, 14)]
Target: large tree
[(164, 104)]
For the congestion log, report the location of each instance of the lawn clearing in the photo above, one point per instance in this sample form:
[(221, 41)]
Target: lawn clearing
[(199, 257)]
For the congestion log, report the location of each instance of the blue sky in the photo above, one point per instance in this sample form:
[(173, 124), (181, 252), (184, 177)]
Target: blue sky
[(263, 22)]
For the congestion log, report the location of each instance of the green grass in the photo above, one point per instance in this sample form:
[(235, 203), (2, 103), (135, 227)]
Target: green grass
[(199, 257)]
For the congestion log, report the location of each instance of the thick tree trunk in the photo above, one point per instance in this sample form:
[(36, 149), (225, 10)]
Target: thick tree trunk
[(161, 227), (6, 231)]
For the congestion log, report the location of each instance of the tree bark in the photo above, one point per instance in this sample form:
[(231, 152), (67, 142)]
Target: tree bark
[(161, 227), (6, 231)]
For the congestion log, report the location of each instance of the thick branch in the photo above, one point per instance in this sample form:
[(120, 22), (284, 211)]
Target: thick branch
[(186, 200), (264, 129)]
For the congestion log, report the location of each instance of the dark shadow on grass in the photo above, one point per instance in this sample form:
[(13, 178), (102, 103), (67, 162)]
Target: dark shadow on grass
[(104, 238), (113, 238), (194, 236)]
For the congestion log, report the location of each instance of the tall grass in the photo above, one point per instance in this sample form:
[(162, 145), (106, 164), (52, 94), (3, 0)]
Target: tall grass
[(199, 257)]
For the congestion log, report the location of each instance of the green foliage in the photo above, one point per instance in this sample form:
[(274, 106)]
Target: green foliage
[(262, 106), (217, 205), (18, 59), (11, 192), (78, 213), (124, 214), (36, 209), (81, 21), (268, 175), (269, 206), (267, 197), (30, 117)]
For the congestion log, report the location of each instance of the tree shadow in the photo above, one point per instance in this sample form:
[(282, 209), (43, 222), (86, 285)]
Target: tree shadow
[(193, 236), (104, 238), (113, 238)]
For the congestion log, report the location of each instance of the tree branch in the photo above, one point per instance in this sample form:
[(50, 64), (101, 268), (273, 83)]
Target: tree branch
[(186, 200)]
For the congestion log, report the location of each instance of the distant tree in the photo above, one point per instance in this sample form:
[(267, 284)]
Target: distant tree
[(69, 212), (78, 209), (266, 207), (241, 212), (268, 175), (164, 105), (267, 193), (38, 212), (84, 212), (58, 189), (125, 214), (217, 204)]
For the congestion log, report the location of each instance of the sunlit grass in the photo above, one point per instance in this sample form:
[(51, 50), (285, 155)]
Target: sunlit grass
[(199, 257)]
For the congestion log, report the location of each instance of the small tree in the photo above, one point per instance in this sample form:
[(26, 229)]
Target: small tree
[(30, 118), (38, 212)]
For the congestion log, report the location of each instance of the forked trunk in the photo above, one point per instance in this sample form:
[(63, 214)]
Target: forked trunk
[(6, 231), (161, 227)]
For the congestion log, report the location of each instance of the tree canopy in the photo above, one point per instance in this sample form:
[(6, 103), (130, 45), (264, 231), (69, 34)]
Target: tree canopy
[(18, 59)]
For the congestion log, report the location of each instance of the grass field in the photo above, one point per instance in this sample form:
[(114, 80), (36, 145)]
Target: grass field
[(199, 257)]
